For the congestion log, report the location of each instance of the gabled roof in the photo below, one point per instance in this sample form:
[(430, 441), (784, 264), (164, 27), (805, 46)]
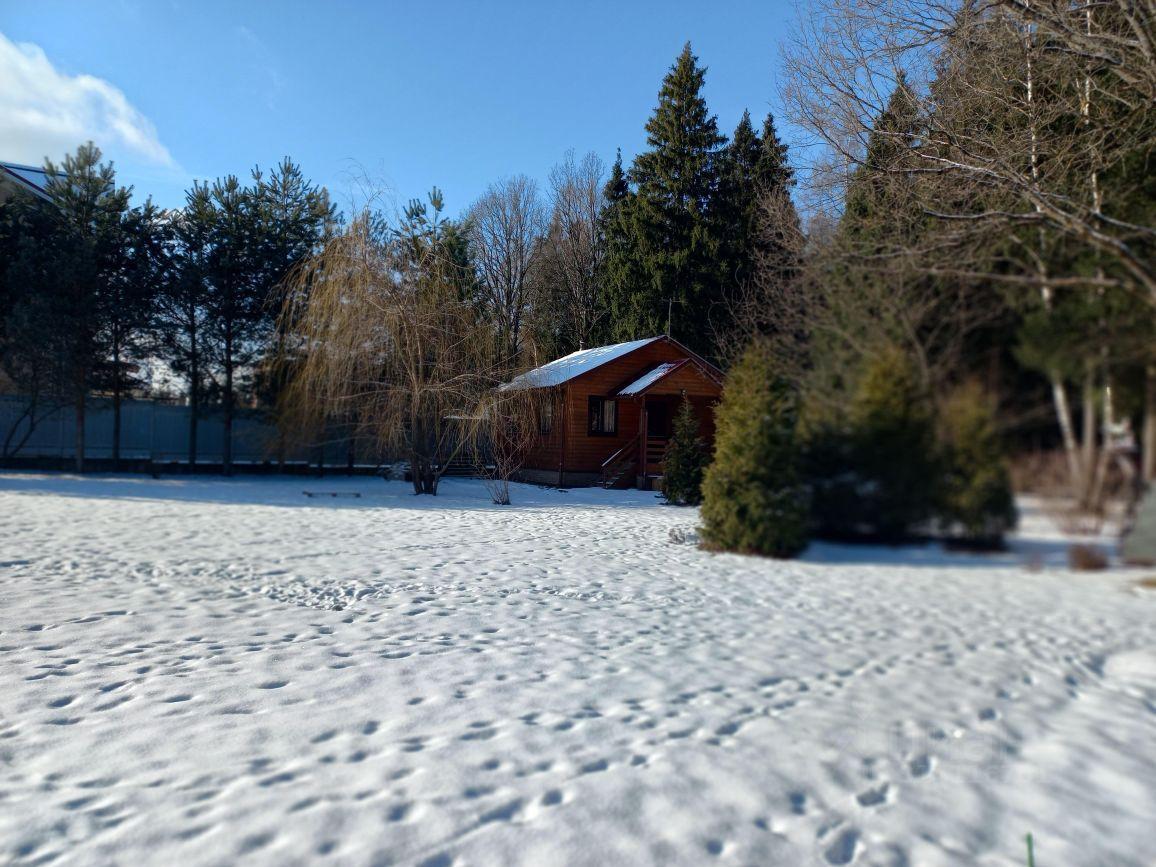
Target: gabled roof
[(652, 378), (31, 178), (648, 379), (575, 364)]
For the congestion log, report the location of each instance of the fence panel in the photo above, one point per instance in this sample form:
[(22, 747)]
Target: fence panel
[(157, 431)]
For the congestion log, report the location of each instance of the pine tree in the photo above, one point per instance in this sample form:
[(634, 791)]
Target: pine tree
[(753, 498), (878, 215), (89, 212), (773, 170), (685, 461), (254, 234), (662, 244), (623, 277)]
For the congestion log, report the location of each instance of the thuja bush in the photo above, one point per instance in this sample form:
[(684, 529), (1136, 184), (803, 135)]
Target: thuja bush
[(754, 501), (976, 500)]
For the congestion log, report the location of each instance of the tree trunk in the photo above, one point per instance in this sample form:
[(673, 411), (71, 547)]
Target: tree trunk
[(227, 446), (80, 399), (194, 399), (1148, 446), (1064, 417), (116, 416), (1100, 474), (1088, 436)]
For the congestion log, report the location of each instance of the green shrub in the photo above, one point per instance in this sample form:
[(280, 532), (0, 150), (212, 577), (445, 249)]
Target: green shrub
[(976, 496), (828, 461), (685, 461), (753, 500), (893, 447)]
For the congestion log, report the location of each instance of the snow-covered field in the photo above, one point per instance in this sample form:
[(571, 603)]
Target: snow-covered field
[(213, 672)]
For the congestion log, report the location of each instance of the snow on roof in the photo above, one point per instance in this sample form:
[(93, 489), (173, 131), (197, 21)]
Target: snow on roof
[(648, 379), (31, 178), (575, 364)]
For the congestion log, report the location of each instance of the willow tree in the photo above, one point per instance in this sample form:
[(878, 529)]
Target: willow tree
[(385, 340)]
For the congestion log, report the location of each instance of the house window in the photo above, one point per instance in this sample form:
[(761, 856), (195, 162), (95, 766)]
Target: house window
[(603, 417), (546, 416)]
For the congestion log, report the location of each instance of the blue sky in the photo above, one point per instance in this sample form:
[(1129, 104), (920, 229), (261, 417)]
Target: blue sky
[(406, 94)]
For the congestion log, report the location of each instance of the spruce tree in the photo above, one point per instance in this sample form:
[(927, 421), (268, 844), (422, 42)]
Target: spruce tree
[(754, 501), (663, 246), (685, 461), (755, 179), (773, 172)]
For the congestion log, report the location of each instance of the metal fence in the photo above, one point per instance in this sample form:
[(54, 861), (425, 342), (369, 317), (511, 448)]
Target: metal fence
[(159, 432)]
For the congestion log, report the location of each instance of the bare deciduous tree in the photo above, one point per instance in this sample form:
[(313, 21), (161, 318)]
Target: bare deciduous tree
[(1028, 114), (1034, 66), (505, 227), (571, 264), (506, 425)]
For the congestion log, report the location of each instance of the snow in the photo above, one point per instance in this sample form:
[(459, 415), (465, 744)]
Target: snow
[(205, 671), (648, 379), (566, 368)]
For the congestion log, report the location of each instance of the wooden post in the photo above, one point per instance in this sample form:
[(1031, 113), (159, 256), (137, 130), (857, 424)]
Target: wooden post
[(562, 446), (644, 424)]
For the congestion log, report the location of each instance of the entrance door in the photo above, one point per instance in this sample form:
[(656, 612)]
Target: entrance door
[(658, 419)]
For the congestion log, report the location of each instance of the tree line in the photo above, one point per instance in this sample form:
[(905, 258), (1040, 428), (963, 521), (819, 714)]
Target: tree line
[(103, 297), (967, 268), (98, 296)]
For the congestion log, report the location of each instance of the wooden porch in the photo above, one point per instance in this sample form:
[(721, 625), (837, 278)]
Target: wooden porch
[(639, 463)]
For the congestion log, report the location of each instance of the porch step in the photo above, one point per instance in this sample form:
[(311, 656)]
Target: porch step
[(615, 479)]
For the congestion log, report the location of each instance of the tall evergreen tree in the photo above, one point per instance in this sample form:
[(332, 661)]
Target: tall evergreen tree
[(665, 228), (182, 312), (754, 214), (89, 212), (134, 269), (736, 212), (253, 236)]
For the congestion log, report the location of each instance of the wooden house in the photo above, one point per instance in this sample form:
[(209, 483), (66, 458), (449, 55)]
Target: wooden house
[(606, 413)]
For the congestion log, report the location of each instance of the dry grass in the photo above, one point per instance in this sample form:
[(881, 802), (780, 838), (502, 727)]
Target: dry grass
[(1086, 558), (1148, 583), (1045, 475)]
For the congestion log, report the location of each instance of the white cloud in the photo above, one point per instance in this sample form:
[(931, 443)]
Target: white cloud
[(44, 112)]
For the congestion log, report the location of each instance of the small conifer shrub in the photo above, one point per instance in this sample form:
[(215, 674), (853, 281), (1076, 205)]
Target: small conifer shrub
[(976, 493), (894, 446), (685, 461), (753, 498)]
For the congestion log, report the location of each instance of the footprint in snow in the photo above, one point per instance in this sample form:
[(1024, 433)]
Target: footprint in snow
[(844, 848), (874, 797), (594, 767), (920, 766)]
